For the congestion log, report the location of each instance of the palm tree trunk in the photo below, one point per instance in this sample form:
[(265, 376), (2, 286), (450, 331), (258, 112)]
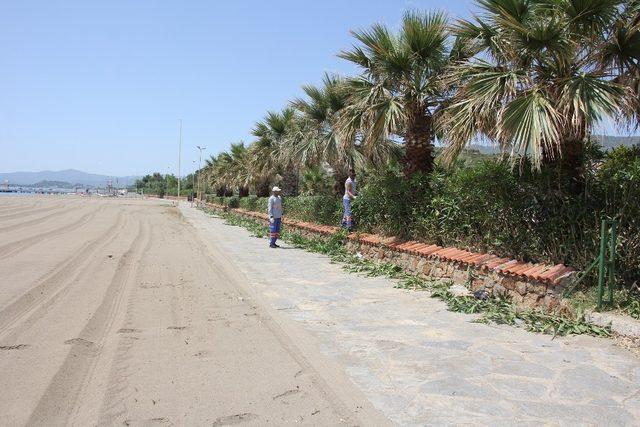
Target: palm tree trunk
[(340, 176), (290, 179), (572, 164), (262, 188), (418, 141), (569, 163)]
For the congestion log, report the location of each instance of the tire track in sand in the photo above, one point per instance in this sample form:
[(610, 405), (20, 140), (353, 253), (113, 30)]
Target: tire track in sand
[(39, 297), (113, 407), (13, 248), (25, 213), (34, 221), (10, 209), (63, 394)]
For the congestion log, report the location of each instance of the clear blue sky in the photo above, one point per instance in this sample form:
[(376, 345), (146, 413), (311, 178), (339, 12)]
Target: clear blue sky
[(100, 86)]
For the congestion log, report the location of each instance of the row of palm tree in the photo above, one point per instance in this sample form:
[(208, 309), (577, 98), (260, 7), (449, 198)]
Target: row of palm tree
[(532, 76)]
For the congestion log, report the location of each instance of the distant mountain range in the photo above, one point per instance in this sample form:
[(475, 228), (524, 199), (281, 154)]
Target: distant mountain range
[(608, 142), (71, 177)]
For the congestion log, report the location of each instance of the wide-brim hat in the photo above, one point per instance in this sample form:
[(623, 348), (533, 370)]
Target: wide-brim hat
[(276, 188)]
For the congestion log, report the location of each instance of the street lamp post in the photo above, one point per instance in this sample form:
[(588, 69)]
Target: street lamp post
[(193, 182), (179, 155), (199, 168)]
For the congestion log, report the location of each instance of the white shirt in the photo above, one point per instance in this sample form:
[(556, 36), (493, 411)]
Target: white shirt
[(346, 186), (274, 207)]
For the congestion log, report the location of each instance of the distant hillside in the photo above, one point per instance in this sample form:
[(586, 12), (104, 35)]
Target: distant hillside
[(68, 176), (608, 142), (51, 184)]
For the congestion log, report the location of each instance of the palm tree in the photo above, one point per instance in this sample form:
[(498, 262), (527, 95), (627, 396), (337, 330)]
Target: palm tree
[(620, 53), (274, 135), (532, 83), (398, 92), (318, 140), (212, 174), (315, 181), (231, 169)]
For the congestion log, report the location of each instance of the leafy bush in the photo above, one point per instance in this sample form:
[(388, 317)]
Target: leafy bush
[(233, 201), (315, 181), (252, 203), (320, 209), (323, 209), (617, 188), (388, 204), (487, 206)]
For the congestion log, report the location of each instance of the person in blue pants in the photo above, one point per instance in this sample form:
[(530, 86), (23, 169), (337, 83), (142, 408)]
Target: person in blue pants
[(349, 196), (274, 210)]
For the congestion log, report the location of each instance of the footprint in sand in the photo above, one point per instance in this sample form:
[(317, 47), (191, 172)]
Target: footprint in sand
[(234, 419), (128, 331), (202, 354), (13, 347), (151, 421), (287, 394), (80, 341)]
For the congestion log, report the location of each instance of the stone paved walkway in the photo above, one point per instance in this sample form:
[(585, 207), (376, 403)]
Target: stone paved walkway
[(421, 364)]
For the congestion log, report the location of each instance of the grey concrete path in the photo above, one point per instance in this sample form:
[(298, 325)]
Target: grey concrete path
[(420, 364)]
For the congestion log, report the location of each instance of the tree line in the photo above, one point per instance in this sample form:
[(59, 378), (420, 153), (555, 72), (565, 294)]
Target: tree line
[(533, 77)]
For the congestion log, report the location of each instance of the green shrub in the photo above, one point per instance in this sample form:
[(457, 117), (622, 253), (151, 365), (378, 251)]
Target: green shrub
[(323, 209), (252, 202), (488, 206), (216, 199), (388, 204), (233, 201), (617, 186)]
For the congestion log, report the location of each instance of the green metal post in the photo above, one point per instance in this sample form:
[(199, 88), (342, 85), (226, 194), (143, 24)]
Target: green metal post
[(613, 237), (601, 262)]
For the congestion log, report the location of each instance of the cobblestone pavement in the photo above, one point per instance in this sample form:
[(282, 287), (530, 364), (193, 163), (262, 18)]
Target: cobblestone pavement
[(421, 364)]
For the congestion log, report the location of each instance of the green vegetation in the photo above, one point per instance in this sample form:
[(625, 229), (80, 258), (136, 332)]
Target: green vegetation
[(534, 78), (161, 185), (491, 310), (487, 206)]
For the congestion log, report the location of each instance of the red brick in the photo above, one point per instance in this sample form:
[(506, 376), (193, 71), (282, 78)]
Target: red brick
[(474, 258), (507, 265), (552, 271), (429, 250), (517, 269), (483, 259), (443, 252), (531, 272), (416, 250)]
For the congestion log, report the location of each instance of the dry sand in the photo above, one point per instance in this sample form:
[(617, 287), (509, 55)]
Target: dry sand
[(115, 312)]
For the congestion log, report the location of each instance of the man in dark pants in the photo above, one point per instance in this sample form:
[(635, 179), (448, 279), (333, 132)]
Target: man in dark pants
[(274, 209), (349, 195)]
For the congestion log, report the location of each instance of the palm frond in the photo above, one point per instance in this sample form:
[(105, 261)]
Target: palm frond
[(531, 124)]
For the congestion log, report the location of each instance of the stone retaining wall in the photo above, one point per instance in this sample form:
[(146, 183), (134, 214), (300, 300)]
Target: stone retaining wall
[(528, 285)]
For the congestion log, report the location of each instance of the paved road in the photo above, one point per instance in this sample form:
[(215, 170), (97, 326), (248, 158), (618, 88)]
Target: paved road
[(114, 312), (420, 364)]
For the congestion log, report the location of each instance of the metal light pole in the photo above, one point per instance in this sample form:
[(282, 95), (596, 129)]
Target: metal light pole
[(200, 167), (193, 181), (179, 154)]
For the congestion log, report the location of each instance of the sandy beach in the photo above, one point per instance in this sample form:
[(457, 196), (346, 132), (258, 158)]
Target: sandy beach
[(113, 312), (139, 312)]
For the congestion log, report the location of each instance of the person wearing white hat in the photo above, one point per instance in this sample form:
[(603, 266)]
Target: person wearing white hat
[(349, 196), (274, 209)]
